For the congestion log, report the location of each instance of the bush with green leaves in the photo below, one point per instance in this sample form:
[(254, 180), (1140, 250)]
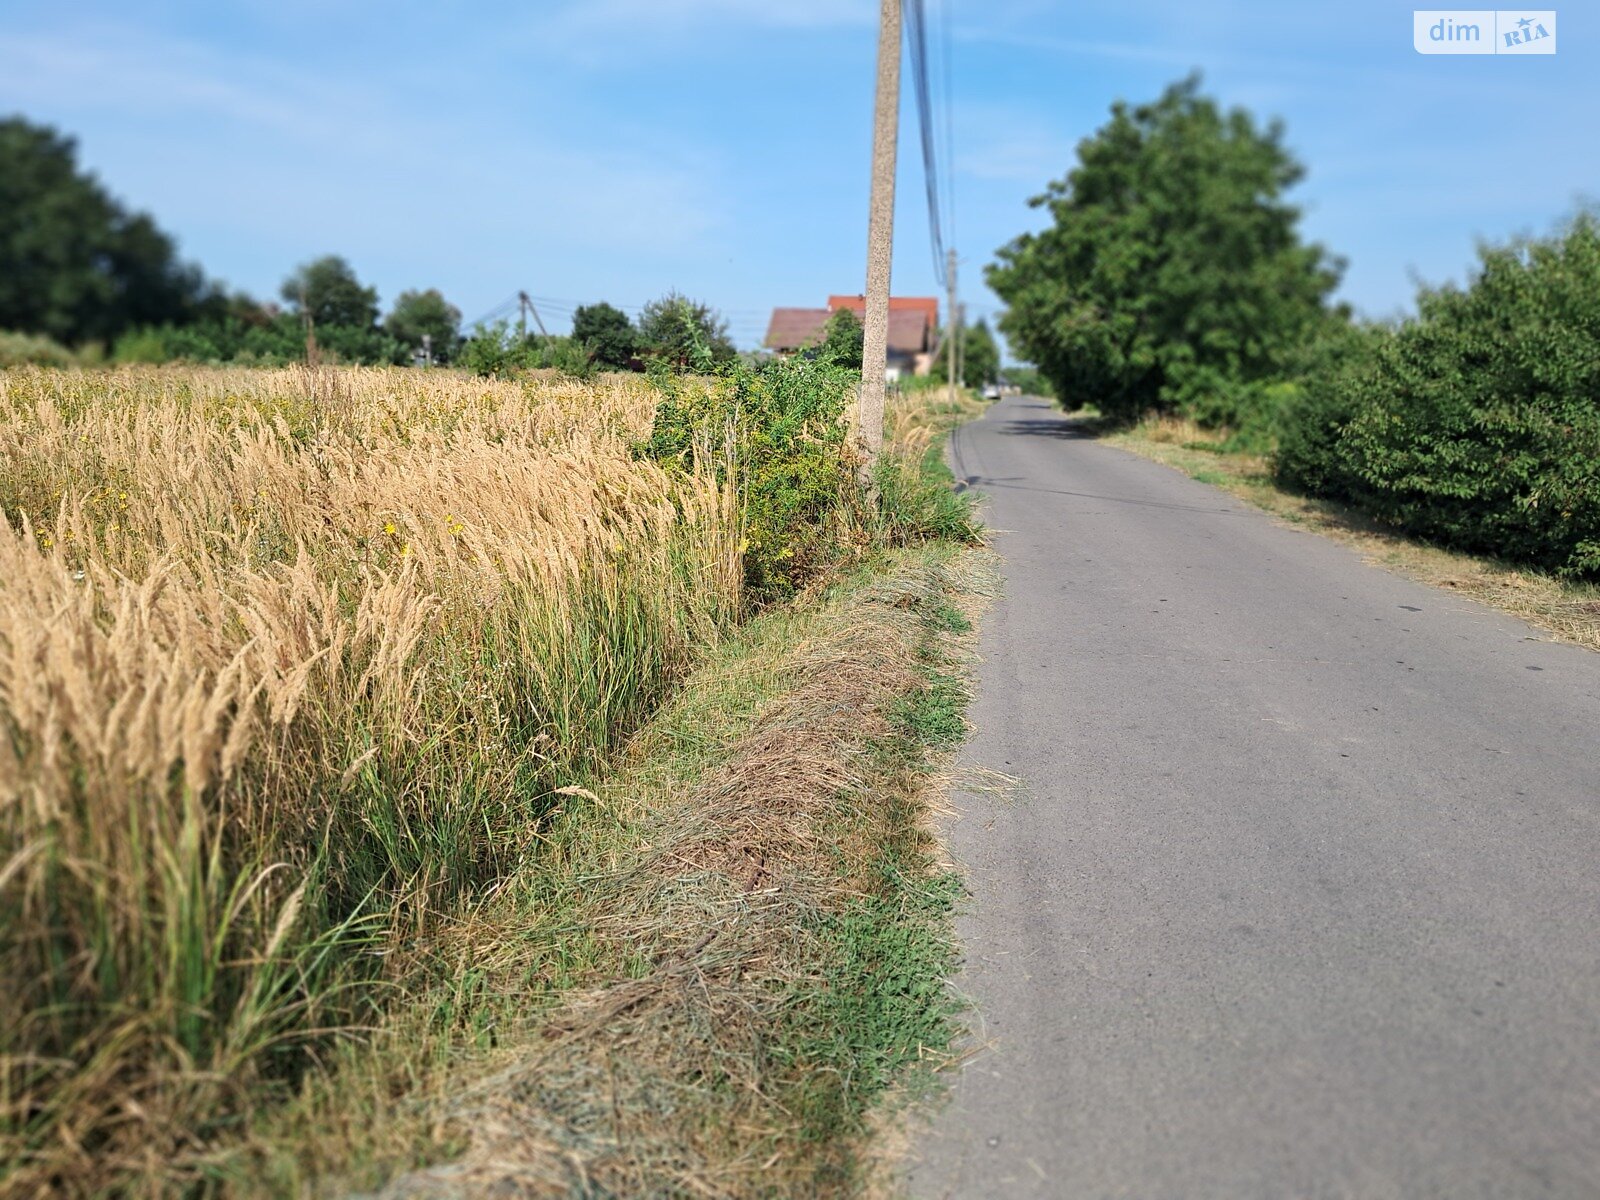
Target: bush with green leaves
[(779, 430), (1310, 420), (33, 349), (496, 350), (425, 318), (1479, 423), (844, 338), (275, 342)]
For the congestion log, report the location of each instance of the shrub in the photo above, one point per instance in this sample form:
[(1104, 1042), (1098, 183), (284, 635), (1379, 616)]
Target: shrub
[(606, 333), (778, 431), (1315, 408), (31, 349), (1479, 424), (497, 352)]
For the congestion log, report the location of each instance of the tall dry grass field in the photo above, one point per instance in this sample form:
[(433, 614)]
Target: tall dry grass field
[(290, 662)]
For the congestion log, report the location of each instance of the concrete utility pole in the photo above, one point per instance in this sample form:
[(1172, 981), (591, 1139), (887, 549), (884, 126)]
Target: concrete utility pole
[(313, 355), (950, 327), (880, 230), (961, 342), (524, 307)]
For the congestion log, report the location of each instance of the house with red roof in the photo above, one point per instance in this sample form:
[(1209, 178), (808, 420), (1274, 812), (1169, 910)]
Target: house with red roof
[(913, 327)]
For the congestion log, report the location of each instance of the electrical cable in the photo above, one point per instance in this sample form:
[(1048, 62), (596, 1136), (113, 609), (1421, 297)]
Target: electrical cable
[(916, 25)]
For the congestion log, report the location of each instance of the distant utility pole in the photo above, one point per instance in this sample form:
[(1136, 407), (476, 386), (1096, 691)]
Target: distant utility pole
[(524, 307), (880, 229), (961, 342), (950, 324), (313, 356)]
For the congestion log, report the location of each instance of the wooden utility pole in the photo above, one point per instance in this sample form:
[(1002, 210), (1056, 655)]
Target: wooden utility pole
[(880, 230), (951, 327)]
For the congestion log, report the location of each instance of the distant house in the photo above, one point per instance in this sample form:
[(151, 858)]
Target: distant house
[(793, 329), (913, 325)]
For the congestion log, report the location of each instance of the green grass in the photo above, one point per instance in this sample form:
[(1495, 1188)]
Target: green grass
[(933, 716), (879, 1015)]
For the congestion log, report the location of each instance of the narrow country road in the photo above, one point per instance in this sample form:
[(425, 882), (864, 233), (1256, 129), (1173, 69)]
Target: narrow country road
[(1299, 895)]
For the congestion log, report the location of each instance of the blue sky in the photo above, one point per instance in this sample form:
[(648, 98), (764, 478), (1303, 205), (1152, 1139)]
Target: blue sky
[(613, 149)]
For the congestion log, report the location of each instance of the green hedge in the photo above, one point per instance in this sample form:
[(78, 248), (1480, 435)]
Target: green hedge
[(1317, 407), (1477, 424)]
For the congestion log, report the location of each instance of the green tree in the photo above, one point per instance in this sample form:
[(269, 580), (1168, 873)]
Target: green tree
[(607, 334), (685, 334), (842, 338), (328, 289), (980, 356), (74, 264), (1173, 275), (416, 315)]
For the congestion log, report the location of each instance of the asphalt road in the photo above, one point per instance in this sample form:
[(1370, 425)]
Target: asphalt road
[(1300, 893)]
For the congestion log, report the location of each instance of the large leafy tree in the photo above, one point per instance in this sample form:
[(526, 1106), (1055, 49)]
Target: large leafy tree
[(74, 264), (605, 332), (328, 289), (685, 333), (1172, 274), (416, 315)]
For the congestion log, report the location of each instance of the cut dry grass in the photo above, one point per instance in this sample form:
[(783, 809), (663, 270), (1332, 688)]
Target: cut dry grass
[(1568, 611), (291, 664)]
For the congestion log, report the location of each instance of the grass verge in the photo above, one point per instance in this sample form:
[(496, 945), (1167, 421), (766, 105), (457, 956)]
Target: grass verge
[(1569, 612), (740, 957), (725, 966)]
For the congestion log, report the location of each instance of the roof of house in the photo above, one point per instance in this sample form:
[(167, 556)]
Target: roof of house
[(792, 328), (923, 304), (912, 321), (909, 331)]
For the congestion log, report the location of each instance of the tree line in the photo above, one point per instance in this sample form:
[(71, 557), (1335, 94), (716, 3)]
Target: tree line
[(84, 278), (1173, 278)]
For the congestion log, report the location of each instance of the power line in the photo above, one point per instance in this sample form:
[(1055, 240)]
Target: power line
[(916, 20), (947, 102), (558, 307)]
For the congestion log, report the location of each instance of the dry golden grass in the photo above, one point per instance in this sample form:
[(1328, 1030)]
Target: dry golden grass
[(289, 661), (1568, 611), (641, 1009)]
